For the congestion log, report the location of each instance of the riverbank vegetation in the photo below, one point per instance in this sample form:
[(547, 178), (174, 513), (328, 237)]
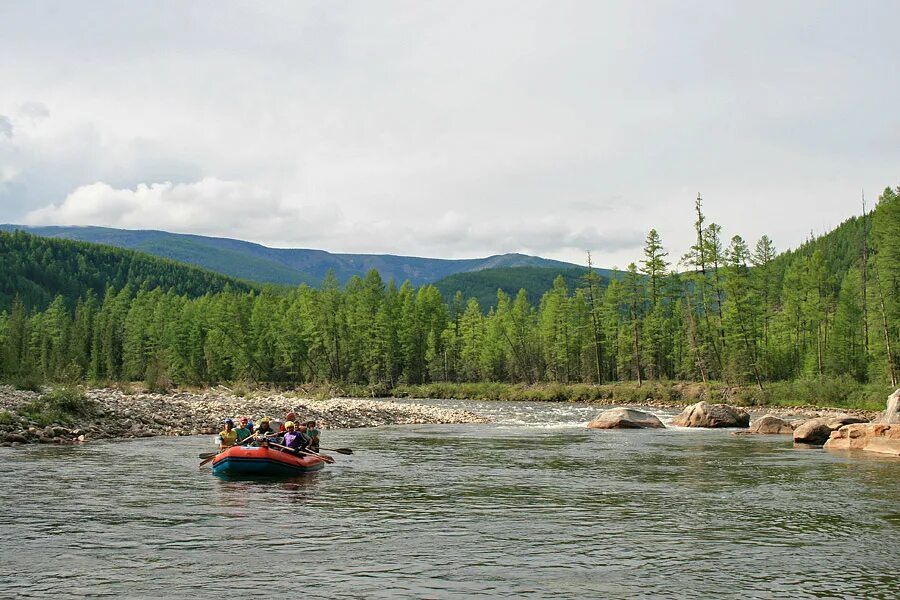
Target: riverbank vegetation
[(818, 324), (826, 392)]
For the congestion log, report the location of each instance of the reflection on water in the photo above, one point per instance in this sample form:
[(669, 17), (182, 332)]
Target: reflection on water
[(534, 505)]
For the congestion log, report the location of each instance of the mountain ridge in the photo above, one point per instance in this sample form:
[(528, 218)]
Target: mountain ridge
[(289, 266)]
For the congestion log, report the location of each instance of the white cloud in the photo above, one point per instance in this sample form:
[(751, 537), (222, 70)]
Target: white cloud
[(210, 206), (456, 129), (34, 111)]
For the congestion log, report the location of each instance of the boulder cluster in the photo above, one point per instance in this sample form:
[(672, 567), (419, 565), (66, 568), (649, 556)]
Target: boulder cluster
[(834, 430), (112, 413)]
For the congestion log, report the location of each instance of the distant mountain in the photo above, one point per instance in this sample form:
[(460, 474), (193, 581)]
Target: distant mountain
[(254, 262), (483, 285), (37, 269)]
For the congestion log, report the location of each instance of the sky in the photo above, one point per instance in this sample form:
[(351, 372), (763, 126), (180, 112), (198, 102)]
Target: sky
[(450, 129)]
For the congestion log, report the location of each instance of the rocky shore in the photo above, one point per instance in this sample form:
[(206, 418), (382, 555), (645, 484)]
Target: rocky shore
[(111, 413), (790, 413)]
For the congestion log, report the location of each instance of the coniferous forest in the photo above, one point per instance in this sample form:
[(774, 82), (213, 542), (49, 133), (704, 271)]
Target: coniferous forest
[(729, 310)]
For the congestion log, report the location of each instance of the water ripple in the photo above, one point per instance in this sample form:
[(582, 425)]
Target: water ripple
[(533, 506)]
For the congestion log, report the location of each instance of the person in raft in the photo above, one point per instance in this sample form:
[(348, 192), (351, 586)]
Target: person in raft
[(313, 434), (289, 417), (243, 432), (247, 423), (294, 439), (228, 436), (264, 427)]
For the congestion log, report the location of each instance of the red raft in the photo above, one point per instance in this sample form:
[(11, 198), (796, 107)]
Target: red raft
[(264, 461)]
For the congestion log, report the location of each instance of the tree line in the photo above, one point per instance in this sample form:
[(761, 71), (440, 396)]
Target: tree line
[(726, 311), (37, 269)]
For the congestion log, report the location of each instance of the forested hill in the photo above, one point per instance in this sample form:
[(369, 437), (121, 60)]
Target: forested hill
[(291, 266), (37, 269), (839, 250), (536, 281)]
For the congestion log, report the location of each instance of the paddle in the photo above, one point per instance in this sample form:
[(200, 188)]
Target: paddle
[(324, 457), (339, 450)]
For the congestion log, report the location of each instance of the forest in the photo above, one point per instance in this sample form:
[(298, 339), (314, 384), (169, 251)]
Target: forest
[(37, 269), (728, 311)]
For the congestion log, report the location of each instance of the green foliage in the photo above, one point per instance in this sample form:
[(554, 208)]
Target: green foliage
[(241, 388), (837, 392), (28, 381), (156, 376), (62, 404), (483, 285), (253, 262), (38, 269), (733, 317), (6, 418)]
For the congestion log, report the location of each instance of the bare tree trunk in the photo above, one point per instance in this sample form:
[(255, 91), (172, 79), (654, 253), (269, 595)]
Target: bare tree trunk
[(637, 352), (692, 328), (865, 275), (598, 348), (887, 337)]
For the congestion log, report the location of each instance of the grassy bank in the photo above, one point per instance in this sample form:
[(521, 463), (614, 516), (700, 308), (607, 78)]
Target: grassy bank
[(66, 400), (60, 404), (824, 393)]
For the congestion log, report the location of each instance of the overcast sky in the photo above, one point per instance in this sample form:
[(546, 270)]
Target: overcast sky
[(449, 129)]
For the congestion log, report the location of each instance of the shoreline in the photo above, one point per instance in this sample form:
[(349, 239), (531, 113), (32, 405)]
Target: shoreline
[(108, 413), (787, 412), (111, 413)]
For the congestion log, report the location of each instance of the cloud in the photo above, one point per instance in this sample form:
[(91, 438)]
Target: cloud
[(34, 111), (210, 206), (525, 233), (450, 130)]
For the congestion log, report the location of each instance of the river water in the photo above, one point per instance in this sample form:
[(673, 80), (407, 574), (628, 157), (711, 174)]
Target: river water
[(534, 505)]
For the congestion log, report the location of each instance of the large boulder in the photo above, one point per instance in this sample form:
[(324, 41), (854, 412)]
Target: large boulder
[(770, 425), (704, 414), (625, 418), (891, 416), (871, 437), (816, 431)]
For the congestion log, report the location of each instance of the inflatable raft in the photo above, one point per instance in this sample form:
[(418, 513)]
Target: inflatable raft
[(263, 461)]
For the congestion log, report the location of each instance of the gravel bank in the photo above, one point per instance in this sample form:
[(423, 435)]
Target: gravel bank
[(114, 414)]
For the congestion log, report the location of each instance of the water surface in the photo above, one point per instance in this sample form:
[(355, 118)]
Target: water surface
[(532, 506)]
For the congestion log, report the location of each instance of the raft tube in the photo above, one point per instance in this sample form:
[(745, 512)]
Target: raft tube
[(263, 461)]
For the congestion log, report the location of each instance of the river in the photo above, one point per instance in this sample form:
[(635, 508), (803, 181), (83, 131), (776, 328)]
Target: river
[(534, 505)]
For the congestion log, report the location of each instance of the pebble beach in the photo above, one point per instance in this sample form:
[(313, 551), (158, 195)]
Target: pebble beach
[(115, 414)]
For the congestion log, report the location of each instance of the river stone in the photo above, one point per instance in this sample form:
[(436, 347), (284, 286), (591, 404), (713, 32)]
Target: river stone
[(625, 418), (891, 415), (703, 414), (770, 425), (871, 437), (816, 431)]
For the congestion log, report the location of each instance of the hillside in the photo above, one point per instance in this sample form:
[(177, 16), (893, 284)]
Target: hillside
[(841, 248), (289, 266), (483, 285), (37, 269)]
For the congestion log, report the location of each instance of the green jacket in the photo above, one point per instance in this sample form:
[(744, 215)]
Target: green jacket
[(242, 433)]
